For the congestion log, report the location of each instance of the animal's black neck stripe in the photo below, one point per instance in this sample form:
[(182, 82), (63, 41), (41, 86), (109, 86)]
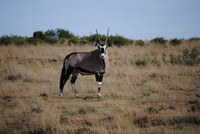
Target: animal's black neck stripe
[(86, 72)]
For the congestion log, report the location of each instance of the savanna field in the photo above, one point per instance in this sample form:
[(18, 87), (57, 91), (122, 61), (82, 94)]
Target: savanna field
[(148, 89)]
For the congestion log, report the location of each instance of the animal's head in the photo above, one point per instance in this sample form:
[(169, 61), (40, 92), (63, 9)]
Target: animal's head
[(102, 46)]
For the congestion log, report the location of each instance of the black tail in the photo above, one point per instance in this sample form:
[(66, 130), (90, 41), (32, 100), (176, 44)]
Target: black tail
[(65, 73), (62, 79)]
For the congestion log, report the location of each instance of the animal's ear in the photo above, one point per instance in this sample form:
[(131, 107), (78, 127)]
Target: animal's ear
[(95, 43)]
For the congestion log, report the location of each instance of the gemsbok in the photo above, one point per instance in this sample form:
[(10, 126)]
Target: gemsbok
[(86, 63)]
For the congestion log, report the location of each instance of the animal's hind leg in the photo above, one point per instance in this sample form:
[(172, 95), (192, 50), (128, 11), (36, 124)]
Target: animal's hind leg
[(72, 82), (65, 73)]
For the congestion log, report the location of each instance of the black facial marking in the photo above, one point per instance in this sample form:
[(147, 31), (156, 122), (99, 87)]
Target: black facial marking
[(102, 50)]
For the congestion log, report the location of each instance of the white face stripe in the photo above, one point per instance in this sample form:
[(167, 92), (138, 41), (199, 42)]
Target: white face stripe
[(103, 54), (104, 47)]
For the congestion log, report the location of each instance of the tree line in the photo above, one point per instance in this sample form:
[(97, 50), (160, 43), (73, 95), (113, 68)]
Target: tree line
[(60, 36), (63, 36)]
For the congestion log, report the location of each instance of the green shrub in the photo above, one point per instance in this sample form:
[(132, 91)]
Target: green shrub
[(51, 40), (116, 40), (175, 42), (191, 57), (50, 33), (5, 40), (30, 40), (188, 57), (73, 40), (175, 60), (194, 39), (61, 36), (39, 35), (83, 41), (139, 43), (120, 40), (140, 63), (159, 40), (62, 33), (62, 40), (17, 40), (92, 38)]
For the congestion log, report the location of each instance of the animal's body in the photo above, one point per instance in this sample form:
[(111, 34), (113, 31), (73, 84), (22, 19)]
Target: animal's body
[(86, 63)]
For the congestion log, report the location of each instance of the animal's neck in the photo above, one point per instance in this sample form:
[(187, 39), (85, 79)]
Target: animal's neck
[(106, 61)]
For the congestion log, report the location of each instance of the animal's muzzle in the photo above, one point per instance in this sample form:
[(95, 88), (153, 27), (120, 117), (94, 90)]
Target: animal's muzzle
[(102, 56)]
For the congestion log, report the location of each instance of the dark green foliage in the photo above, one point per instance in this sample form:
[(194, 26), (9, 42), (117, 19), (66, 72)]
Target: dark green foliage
[(53, 36), (140, 63), (61, 33), (50, 37), (63, 36), (30, 40), (120, 40), (174, 59), (194, 39), (17, 40), (92, 38), (115, 40), (159, 40), (139, 43), (5, 40), (39, 35), (188, 57), (62, 41), (191, 57), (83, 40), (50, 33), (51, 40), (175, 42), (73, 40)]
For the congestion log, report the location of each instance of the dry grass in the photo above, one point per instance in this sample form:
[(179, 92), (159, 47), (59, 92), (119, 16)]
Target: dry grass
[(155, 98)]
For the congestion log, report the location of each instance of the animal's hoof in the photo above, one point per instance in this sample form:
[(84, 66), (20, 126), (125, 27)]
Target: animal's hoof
[(99, 94), (61, 95), (76, 95)]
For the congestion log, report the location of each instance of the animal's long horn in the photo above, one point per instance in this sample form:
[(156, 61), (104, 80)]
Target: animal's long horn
[(107, 36), (98, 36)]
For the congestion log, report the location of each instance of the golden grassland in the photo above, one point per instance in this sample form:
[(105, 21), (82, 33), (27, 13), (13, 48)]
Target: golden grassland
[(157, 97)]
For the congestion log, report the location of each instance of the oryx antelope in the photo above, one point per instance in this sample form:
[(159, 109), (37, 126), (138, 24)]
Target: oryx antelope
[(86, 63)]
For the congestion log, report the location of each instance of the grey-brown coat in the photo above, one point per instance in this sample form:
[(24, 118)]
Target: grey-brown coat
[(86, 63)]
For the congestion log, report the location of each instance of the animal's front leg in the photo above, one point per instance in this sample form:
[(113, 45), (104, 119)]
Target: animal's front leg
[(99, 87), (99, 78)]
